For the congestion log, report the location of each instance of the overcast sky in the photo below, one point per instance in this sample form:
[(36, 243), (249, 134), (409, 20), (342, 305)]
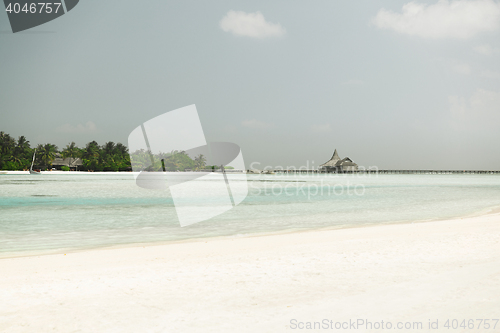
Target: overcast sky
[(392, 84)]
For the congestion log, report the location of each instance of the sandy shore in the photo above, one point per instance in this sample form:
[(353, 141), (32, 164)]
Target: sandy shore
[(395, 273)]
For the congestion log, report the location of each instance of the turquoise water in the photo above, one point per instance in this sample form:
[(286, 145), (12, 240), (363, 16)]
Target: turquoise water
[(52, 213)]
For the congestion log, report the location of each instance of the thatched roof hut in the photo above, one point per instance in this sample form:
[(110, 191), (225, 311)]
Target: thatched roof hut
[(333, 161), (69, 162), (336, 164)]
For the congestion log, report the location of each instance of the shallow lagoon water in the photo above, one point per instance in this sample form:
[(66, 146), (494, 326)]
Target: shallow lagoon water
[(52, 213)]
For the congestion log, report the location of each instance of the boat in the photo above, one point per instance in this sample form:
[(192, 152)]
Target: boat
[(33, 172)]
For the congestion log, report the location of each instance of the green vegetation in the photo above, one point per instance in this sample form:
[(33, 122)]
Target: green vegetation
[(14, 155), (216, 167), (45, 155), (213, 167), (173, 161), (108, 157), (17, 155), (72, 152)]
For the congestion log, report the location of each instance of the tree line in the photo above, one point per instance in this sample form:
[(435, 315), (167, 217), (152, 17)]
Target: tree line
[(173, 161), (18, 154)]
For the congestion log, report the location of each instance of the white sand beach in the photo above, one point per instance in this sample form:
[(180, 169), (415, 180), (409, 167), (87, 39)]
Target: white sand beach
[(395, 273)]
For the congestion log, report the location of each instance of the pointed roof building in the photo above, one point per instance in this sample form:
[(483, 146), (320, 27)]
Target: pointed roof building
[(333, 161), (337, 164)]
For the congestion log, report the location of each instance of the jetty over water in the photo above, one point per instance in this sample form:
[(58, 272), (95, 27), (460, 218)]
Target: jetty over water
[(336, 165)]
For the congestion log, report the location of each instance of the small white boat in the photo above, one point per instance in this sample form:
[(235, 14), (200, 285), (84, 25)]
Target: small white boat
[(33, 172)]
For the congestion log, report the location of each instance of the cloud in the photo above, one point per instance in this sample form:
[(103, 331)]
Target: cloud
[(486, 50), (460, 19), (89, 127), (482, 110), (353, 82), (250, 25), (256, 124), (321, 128)]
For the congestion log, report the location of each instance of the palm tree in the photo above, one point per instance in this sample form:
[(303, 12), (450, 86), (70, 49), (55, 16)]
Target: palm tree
[(200, 161), (6, 142), (7, 145), (172, 161), (140, 159), (108, 156), (22, 145), (121, 149), (22, 152), (122, 156), (71, 151), (108, 148), (46, 154), (90, 155)]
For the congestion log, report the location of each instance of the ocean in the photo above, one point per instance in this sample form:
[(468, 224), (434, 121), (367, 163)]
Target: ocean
[(55, 213)]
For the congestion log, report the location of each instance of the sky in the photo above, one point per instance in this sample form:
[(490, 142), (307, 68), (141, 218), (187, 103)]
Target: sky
[(390, 84)]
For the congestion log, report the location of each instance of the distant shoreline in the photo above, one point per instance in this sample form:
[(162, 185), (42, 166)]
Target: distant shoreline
[(278, 172), (58, 172)]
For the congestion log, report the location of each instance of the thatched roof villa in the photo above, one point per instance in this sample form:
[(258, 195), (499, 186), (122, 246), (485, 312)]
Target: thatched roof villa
[(336, 164), (72, 163)]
